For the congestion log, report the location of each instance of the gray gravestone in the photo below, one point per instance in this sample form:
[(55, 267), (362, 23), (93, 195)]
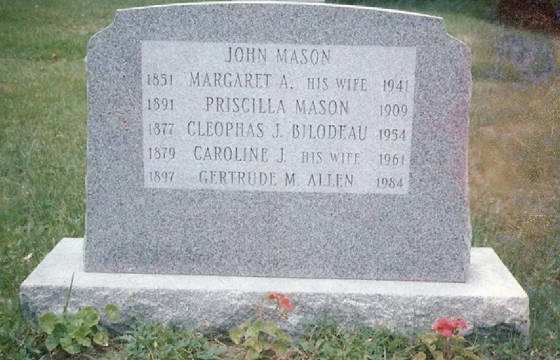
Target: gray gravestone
[(278, 140)]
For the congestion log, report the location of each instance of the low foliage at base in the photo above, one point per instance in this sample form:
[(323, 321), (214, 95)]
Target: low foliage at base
[(150, 340), (72, 332)]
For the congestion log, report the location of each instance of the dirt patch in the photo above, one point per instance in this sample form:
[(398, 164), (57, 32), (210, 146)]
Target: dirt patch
[(535, 15)]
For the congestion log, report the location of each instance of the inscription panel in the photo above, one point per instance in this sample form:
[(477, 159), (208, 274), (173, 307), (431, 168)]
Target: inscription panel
[(270, 117)]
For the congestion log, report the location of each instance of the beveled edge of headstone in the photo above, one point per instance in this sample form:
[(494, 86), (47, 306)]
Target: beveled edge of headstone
[(123, 11)]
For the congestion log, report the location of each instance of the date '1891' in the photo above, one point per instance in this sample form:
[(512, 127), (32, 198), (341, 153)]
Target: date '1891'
[(160, 104)]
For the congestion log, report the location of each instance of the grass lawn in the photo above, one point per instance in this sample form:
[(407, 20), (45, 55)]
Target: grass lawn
[(514, 161)]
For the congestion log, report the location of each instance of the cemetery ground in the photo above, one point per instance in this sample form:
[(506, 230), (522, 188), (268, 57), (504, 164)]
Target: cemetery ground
[(514, 173)]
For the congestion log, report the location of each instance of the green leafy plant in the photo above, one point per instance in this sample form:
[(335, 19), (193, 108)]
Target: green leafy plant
[(151, 340), (75, 331), (328, 341), (445, 343), (261, 338)]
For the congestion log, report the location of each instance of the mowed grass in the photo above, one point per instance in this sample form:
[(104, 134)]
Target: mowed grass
[(515, 191), (514, 158), (42, 139)]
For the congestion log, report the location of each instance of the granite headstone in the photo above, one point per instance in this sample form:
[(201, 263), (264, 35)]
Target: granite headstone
[(297, 142), (278, 140)]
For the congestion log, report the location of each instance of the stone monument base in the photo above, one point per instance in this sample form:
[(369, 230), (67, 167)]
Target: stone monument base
[(490, 296)]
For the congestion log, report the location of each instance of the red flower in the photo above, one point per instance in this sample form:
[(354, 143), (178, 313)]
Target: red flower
[(285, 302), (448, 327), (275, 296), (281, 300), (460, 323)]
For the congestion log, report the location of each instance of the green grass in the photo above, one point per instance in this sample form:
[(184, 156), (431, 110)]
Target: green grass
[(514, 161)]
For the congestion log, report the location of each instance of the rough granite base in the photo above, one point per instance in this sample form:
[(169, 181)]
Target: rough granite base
[(491, 295)]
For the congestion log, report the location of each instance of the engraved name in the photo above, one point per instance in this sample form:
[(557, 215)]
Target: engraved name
[(289, 56)]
